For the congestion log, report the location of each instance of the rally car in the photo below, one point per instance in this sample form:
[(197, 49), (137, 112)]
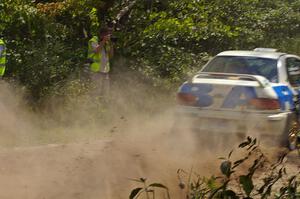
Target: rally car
[(245, 93)]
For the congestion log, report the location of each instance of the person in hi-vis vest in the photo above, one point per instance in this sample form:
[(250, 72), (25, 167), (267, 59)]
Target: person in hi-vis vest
[(2, 57), (100, 52)]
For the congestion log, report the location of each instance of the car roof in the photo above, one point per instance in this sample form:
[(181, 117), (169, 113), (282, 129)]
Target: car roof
[(263, 54)]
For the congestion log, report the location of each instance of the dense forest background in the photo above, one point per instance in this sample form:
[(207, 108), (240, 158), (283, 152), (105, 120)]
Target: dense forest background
[(162, 40)]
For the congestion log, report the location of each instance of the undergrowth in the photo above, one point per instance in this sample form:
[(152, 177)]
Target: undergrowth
[(274, 182)]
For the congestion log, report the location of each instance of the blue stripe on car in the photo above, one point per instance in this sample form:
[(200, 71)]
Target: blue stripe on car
[(285, 96)]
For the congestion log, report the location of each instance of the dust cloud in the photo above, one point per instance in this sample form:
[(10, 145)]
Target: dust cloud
[(85, 149), (15, 121)]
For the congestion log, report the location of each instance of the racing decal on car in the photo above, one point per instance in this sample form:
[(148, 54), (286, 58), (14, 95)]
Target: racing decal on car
[(239, 96), (285, 97), (230, 97), (201, 91)]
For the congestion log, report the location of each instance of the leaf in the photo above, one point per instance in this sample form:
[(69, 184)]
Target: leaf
[(292, 179), (255, 166), (230, 194), (244, 144), (249, 139), (135, 180), (281, 158), (247, 184), (212, 183), (226, 168), (253, 142), (229, 155), (158, 185), (283, 190), (267, 181), (238, 162), (268, 192), (134, 192), (143, 179)]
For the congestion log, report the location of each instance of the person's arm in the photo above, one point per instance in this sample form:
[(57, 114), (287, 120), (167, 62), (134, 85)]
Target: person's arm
[(2, 50), (107, 41), (95, 47), (111, 50)]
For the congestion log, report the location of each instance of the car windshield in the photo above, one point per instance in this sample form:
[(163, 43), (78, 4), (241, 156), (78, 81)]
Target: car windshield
[(244, 65)]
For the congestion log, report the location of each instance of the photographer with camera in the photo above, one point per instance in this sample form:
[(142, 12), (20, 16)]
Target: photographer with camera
[(100, 52)]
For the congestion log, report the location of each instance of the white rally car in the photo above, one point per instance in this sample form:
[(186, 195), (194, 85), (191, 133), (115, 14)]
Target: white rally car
[(245, 93)]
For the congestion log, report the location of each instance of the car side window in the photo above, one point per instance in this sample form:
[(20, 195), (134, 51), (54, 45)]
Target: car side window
[(293, 69)]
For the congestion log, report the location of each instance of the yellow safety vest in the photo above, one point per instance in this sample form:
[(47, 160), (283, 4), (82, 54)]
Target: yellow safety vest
[(97, 57), (2, 57)]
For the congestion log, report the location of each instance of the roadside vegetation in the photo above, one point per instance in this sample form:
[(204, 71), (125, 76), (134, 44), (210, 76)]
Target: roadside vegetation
[(164, 40), (248, 177), (161, 42)]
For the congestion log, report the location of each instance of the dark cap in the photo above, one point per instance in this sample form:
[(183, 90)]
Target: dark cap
[(104, 31)]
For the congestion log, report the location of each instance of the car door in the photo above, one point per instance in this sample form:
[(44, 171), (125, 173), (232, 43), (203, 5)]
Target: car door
[(292, 64)]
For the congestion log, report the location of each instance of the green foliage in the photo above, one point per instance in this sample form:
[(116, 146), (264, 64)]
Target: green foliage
[(166, 40), (233, 185), (46, 41), (226, 168), (148, 190), (171, 38)]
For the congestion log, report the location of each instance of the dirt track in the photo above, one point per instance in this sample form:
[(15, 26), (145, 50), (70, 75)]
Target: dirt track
[(92, 170), (73, 171), (86, 170), (98, 169)]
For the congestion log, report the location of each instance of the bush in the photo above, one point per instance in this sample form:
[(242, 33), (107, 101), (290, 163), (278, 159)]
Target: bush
[(169, 39), (46, 41), (232, 184), (165, 40)]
